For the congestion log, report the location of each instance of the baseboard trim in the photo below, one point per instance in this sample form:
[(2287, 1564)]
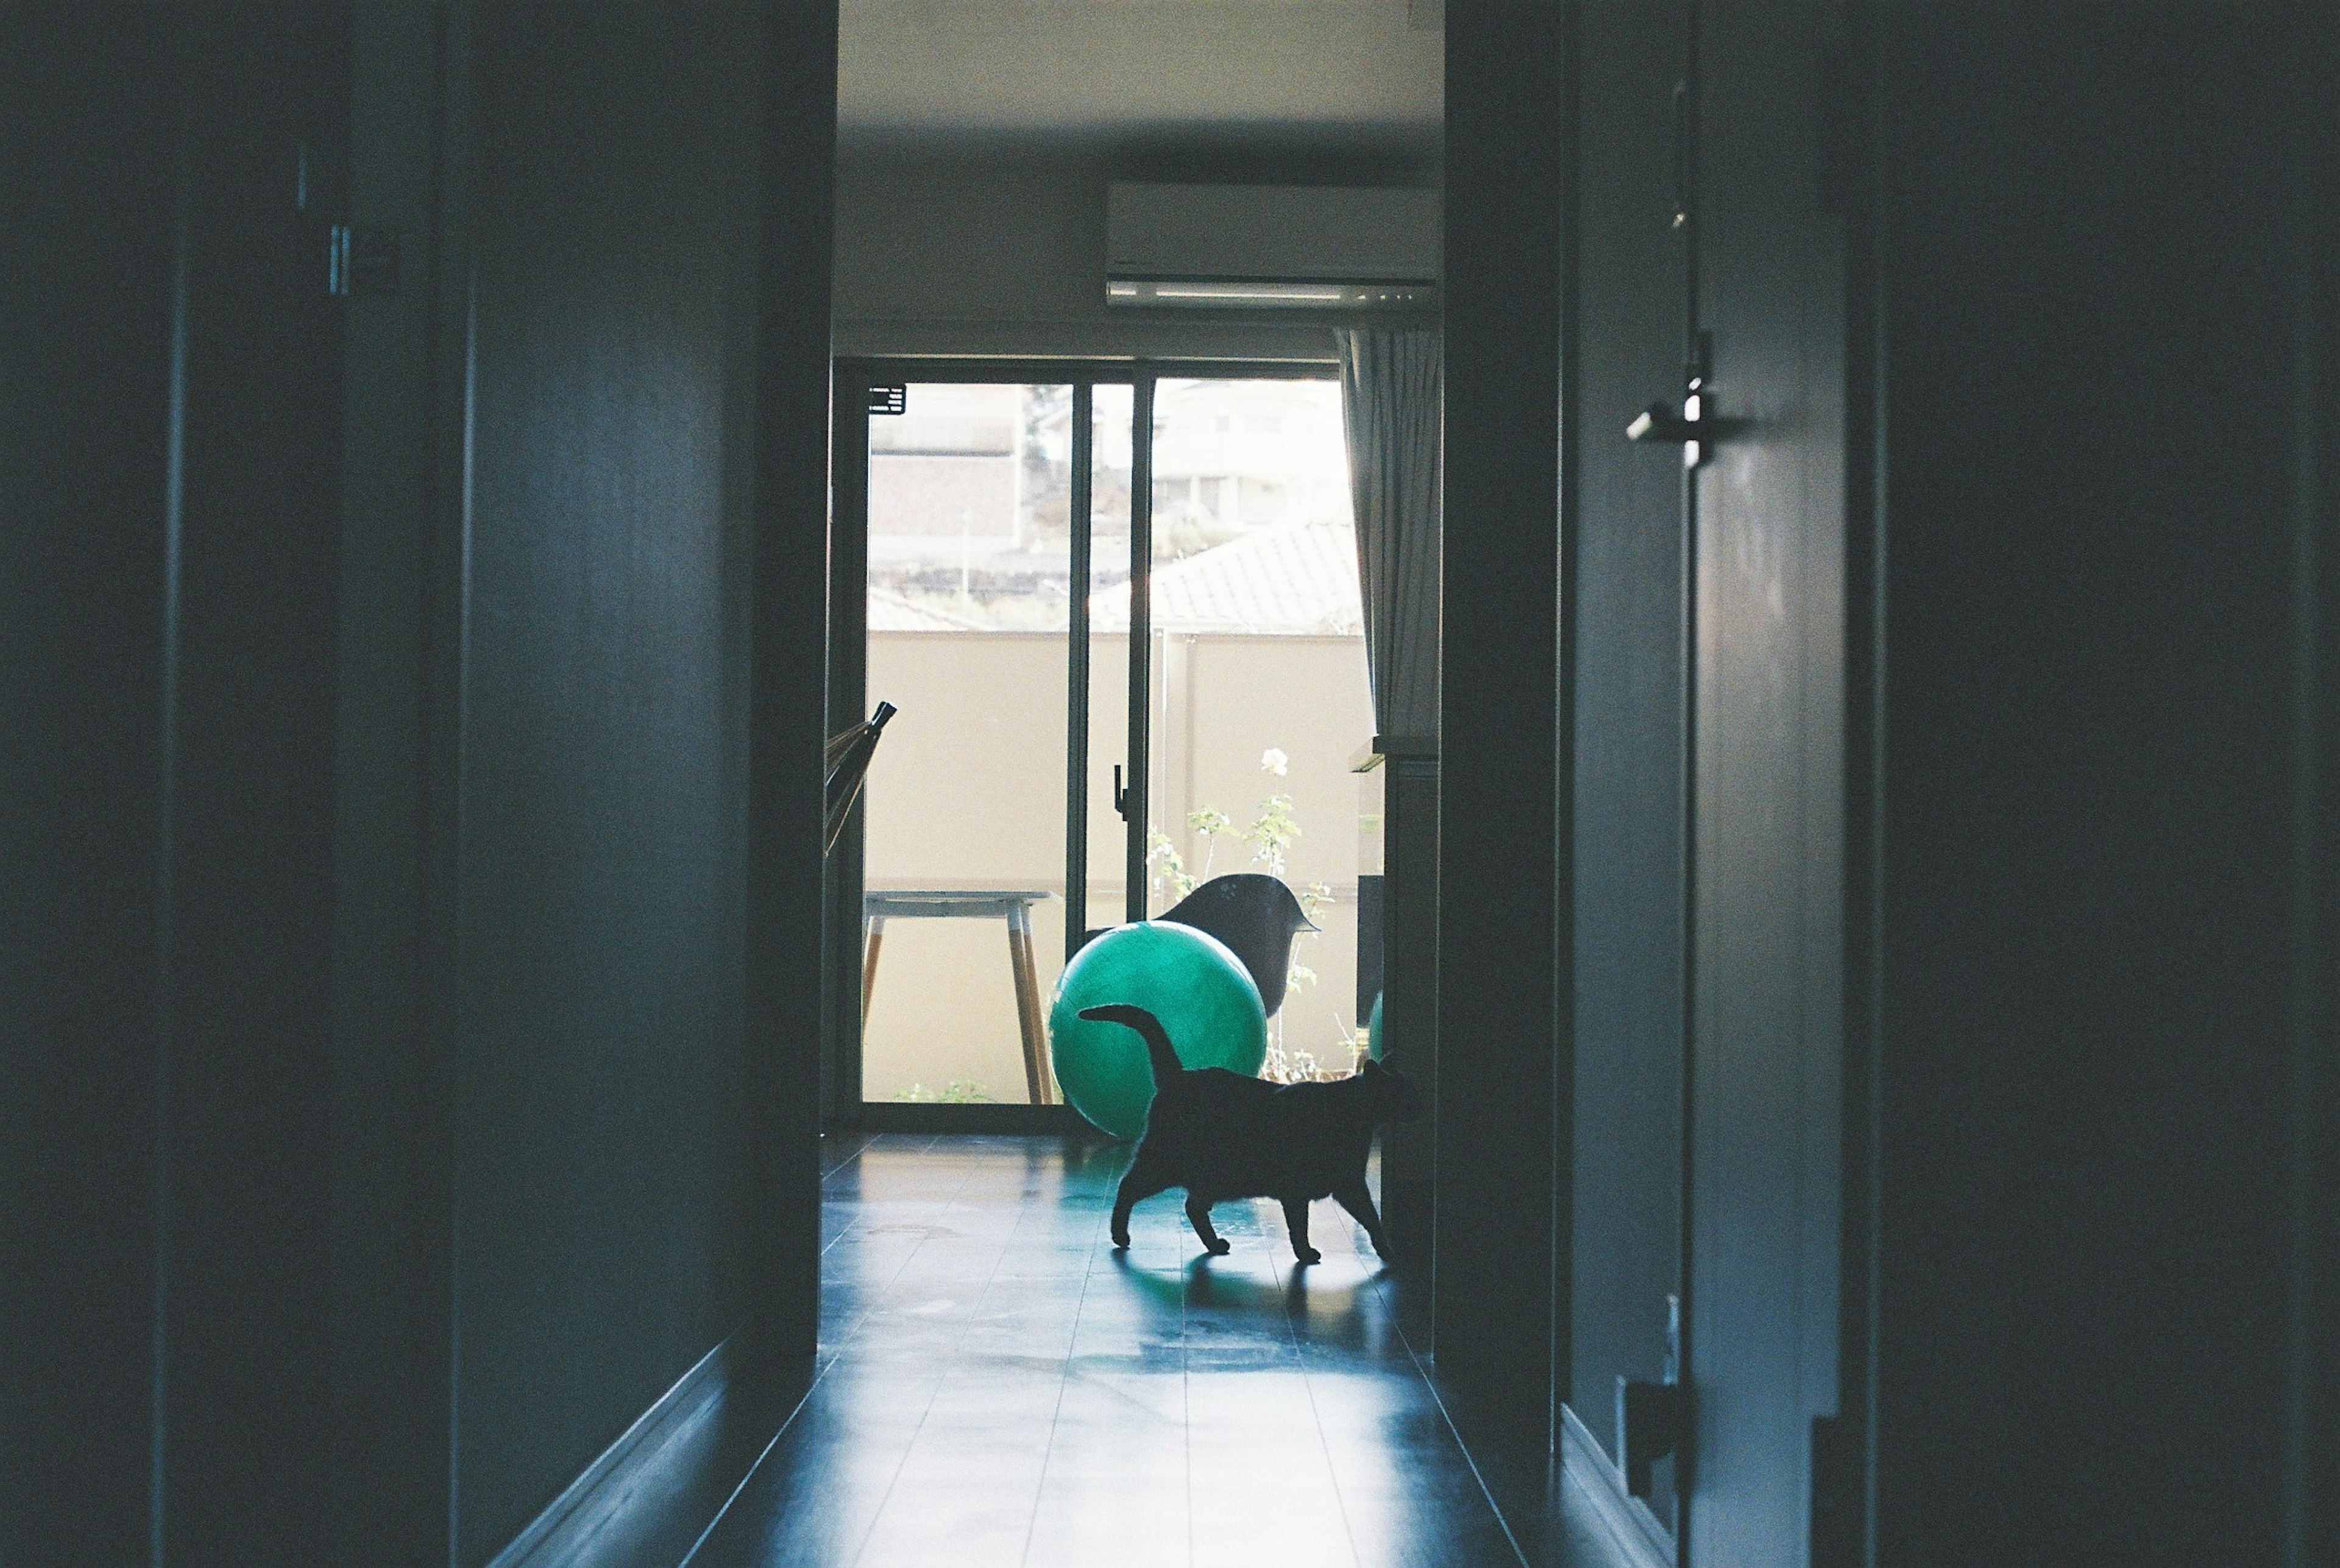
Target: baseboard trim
[(607, 1505), (1590, 1484)]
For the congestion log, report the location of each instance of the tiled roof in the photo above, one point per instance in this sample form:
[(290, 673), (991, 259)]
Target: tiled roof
[(1300, 578)]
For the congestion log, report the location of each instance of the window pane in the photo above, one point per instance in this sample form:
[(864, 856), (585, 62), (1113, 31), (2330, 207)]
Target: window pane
[(1261, 701), (969, 584), (1252, 528), (969, 502), (1108, 590)]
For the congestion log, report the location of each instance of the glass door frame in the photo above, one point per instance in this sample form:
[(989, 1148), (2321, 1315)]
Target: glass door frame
[(847, 643)]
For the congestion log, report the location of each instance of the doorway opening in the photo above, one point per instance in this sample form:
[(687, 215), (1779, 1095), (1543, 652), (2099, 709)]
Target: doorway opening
[(1117, 609)]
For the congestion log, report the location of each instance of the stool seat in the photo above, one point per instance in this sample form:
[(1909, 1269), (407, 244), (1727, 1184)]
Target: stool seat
[(949, 903)]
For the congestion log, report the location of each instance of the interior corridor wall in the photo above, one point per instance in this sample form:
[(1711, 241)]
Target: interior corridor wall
[(601, 1140), (2105, 915), (171, 446), (378, 1118), (955, 244), (1502, 1074), (87, 104)]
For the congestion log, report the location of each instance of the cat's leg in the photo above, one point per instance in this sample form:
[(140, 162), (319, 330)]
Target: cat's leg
[(1360, 1203), (1137, 1184), (1198, 1214), (1295, 1220)]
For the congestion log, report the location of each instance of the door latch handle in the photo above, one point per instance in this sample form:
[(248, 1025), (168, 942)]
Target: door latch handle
[(1696, 427), (1120, 795), (1659, 423)]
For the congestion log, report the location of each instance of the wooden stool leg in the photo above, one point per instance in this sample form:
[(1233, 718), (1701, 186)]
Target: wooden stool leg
[(877, 939), (1027, 1006)]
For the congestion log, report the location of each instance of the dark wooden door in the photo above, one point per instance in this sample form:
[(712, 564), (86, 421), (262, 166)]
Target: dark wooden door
[(1768, 663), (1628, 612)]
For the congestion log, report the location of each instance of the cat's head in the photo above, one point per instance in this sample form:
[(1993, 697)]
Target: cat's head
[(1394, 1098)]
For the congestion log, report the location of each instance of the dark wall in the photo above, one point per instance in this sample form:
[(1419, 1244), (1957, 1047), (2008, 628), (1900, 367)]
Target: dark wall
[(173, 467), (2106, 265), (402, 512), (788, 640), (966, 249), (376, 810), (85, 199), (1409, 1022), (602, 1133), (1501, 1068), (248, 860), (1627, 600), (2011, 1090)]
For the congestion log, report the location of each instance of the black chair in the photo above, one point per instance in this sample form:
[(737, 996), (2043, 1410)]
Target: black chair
[(1257, 917)]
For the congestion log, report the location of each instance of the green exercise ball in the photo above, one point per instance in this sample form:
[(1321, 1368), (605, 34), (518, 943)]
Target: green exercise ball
[(1190, 981), (1374, 1030)]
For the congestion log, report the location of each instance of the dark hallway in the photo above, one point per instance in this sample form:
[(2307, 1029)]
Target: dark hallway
[(997, 1385), (1785, 563)]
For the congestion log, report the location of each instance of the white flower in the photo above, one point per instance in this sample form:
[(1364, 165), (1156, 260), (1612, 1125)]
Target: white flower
[(1275, 761)]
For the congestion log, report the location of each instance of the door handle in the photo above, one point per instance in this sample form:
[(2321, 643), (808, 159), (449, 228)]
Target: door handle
[(1659, 423), (1120, 795), (1696, 427)]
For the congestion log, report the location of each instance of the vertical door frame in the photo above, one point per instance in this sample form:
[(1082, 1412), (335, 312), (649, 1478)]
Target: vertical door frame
[(1076, 669), (1137, 753), (846, 700), (1505, 1061), (847, 695)]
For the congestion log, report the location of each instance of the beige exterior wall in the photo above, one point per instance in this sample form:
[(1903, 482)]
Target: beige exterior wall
[(968, 788)]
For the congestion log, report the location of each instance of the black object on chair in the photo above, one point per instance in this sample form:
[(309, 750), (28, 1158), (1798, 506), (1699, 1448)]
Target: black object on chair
[(1257, 917)]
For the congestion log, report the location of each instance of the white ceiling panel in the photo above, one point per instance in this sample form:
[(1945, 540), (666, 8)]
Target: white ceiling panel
[(1098, 68)]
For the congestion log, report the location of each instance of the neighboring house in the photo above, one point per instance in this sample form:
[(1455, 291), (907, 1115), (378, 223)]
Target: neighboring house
[(1230, 455), (969, 510), (1301, 579), (944, 476)]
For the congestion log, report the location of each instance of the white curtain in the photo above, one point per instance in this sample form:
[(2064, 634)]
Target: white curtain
[(1391, 401)]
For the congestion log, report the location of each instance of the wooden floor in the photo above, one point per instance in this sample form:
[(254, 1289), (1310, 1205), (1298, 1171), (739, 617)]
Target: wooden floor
[(997, 1385)]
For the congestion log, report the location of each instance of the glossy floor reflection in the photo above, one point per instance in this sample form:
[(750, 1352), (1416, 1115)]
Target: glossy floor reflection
[(997, 1385)]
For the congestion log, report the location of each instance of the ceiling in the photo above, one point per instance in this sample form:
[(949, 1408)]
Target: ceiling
[(1111, 72)]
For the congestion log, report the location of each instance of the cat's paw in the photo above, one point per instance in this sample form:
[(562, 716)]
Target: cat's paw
[(1308, 1254), (1218, 1248), (1121, 1241)]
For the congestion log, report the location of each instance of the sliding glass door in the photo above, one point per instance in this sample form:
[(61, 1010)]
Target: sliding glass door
[(1119, 614), (968, 623), (1258, 697)]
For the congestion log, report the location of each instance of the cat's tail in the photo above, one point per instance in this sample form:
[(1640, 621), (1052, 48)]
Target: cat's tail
[(1167, 1064)]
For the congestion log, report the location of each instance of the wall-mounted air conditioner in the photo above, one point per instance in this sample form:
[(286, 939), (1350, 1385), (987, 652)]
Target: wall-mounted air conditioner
[(1272, 247)]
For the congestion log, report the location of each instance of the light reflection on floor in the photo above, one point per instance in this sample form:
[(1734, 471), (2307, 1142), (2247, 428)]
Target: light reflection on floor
[(997, 1385)]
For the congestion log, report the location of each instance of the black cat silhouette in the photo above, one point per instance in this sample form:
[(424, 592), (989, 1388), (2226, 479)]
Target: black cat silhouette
[(1257, 917), (1221, 1136)]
